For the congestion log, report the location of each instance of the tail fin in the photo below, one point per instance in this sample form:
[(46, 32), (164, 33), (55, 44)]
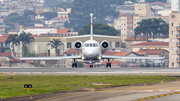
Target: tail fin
[(91, 26)]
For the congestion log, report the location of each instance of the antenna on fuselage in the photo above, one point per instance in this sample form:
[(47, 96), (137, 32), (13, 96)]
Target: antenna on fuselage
[(91, 26)]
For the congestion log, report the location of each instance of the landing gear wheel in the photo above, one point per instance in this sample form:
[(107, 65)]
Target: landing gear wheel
[(109, 65), (75, 65), (106, 65), (72, 65)]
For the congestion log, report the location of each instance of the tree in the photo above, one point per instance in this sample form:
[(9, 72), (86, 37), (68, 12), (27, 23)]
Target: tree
[(28, 13), (25, 38), (12, 38), (79, 64), (16, 18), (149, 27), (64, 5), (55, 44), (49, 15), (99, 29), (81, 9)]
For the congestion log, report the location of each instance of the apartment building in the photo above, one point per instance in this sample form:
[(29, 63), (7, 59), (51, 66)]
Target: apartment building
[(128, 22), (174, 34), (175, 5), (174, 39), (126, 25)]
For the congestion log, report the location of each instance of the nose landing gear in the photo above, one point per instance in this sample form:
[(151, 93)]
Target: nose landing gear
[(90, 66)]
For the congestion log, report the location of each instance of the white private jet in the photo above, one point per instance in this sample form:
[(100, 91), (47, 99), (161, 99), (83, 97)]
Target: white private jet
[(91, 50)]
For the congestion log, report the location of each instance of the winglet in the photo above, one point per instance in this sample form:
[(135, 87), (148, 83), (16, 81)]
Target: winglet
[(12, 51), (91, 26)]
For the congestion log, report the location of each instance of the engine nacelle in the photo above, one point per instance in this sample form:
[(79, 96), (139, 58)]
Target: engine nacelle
[(78, 45), (104, 45)]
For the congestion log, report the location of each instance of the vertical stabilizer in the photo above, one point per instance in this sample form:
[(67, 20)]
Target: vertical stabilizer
[(91, 26)]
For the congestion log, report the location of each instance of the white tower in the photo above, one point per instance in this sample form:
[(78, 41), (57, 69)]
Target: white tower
[(169, 1), (175, 6)]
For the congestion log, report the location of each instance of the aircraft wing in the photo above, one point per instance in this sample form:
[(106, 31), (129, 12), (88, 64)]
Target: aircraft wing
[(125, 57), (49, 58), (46, 58)]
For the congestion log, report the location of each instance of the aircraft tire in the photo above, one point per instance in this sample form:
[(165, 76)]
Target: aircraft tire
[(90, 66), (75, 65), (106, 65), (109, 65)]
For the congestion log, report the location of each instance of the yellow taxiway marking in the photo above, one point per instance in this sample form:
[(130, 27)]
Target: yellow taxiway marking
[(156, 96)]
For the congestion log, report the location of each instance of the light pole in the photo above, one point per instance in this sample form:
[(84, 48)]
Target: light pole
[(39, 44), (63, 49)]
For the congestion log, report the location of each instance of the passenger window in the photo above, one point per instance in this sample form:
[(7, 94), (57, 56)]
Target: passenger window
[(94, 45), (90, 44)]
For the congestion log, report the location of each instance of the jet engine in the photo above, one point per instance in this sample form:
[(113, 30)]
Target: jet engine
[(78, 45), (104, 45)]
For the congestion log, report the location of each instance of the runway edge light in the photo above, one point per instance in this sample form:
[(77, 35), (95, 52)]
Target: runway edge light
[(31, 96), (93, 88)]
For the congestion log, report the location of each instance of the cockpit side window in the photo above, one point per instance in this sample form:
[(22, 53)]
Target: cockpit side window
[(90, 44), (87, 45), (94, 45)]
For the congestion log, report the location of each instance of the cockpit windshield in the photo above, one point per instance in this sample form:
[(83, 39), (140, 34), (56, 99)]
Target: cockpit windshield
[(91, 45)]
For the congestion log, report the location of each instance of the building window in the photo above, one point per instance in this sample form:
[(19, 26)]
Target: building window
[(173, 64), (117, 44), (173, 32), (68, 45), (173, 48), (173, 24), (173, 56), (173, 40)]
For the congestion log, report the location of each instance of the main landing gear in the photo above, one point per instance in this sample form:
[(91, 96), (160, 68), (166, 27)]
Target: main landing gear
[(74, 65), (108, 64)]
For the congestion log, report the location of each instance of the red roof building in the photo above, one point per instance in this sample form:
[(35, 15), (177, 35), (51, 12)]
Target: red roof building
[(7, 54), (152, 44), (72, 50), (152, 51), (63, 30), (3, 39)]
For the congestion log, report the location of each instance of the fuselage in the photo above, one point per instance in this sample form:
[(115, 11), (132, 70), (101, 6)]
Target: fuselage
[(91, 50)]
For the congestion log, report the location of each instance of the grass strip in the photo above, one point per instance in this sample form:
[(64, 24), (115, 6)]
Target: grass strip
[(13, 86)]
